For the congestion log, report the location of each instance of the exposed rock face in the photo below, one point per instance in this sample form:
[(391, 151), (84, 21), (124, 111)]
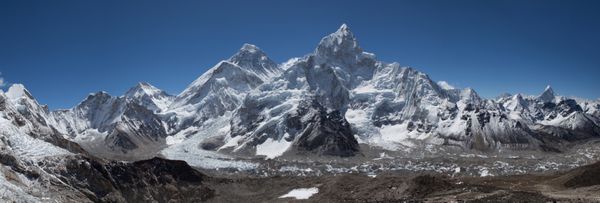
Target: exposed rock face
[(322, 132), (156, 179), (584, 176), (139, 127)]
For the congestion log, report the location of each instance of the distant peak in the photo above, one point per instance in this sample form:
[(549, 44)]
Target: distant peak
[(548, 90), (142, 88), (548, 95), (247, 51), (341, 41), (97, 95), (519, 96), (250, 57), (100, 93), (144, 84), (249, 47), (344, 31), (344, 28)]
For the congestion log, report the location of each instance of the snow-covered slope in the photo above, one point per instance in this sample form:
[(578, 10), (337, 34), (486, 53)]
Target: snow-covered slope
[(20, 108), (19, 100), (222, 88), (111, 126), (150, 97)]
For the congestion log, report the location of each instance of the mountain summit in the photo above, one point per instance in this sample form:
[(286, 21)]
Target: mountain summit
[(149, 96), (341, 45), (548, 95), (255, 60)]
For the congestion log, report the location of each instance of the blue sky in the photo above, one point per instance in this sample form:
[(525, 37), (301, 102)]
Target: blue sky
[(62, 50)]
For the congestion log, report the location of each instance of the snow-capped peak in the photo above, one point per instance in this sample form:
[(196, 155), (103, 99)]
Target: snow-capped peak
[(250, 48), (343, 27), (548, 95), (247, 53), (515, 103), (143, 88), (17, 91), (340, 43), (253, 59), (149, 96)]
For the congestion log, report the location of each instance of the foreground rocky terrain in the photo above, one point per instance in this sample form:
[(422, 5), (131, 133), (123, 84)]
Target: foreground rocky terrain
[(75, 178), (336, 125)]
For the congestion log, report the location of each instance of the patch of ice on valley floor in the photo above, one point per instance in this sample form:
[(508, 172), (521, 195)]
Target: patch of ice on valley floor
[(484, 172), (301, 193), (273, 148)]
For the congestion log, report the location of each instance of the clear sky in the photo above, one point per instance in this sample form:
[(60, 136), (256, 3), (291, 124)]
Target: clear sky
[(62, 50)]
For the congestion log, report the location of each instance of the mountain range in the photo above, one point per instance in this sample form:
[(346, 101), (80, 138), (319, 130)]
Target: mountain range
[(338, 101), (329, 102)]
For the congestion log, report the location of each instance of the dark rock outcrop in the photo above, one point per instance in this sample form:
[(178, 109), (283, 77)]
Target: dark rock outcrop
[(322, 132), (154, 180)]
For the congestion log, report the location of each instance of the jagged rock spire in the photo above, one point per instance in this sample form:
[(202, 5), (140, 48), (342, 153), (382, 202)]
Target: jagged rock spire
[(548, 95)]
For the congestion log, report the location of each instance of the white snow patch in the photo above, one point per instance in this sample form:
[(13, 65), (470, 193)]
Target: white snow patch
[(188, 150), (231, 142), (484, 172), (301, 193), (369, 88), (171, 140), (26, 146), (273, 148), (357, 116), (400, 134)]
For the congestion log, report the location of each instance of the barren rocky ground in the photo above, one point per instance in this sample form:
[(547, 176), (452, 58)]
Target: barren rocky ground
[(578, 185)]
